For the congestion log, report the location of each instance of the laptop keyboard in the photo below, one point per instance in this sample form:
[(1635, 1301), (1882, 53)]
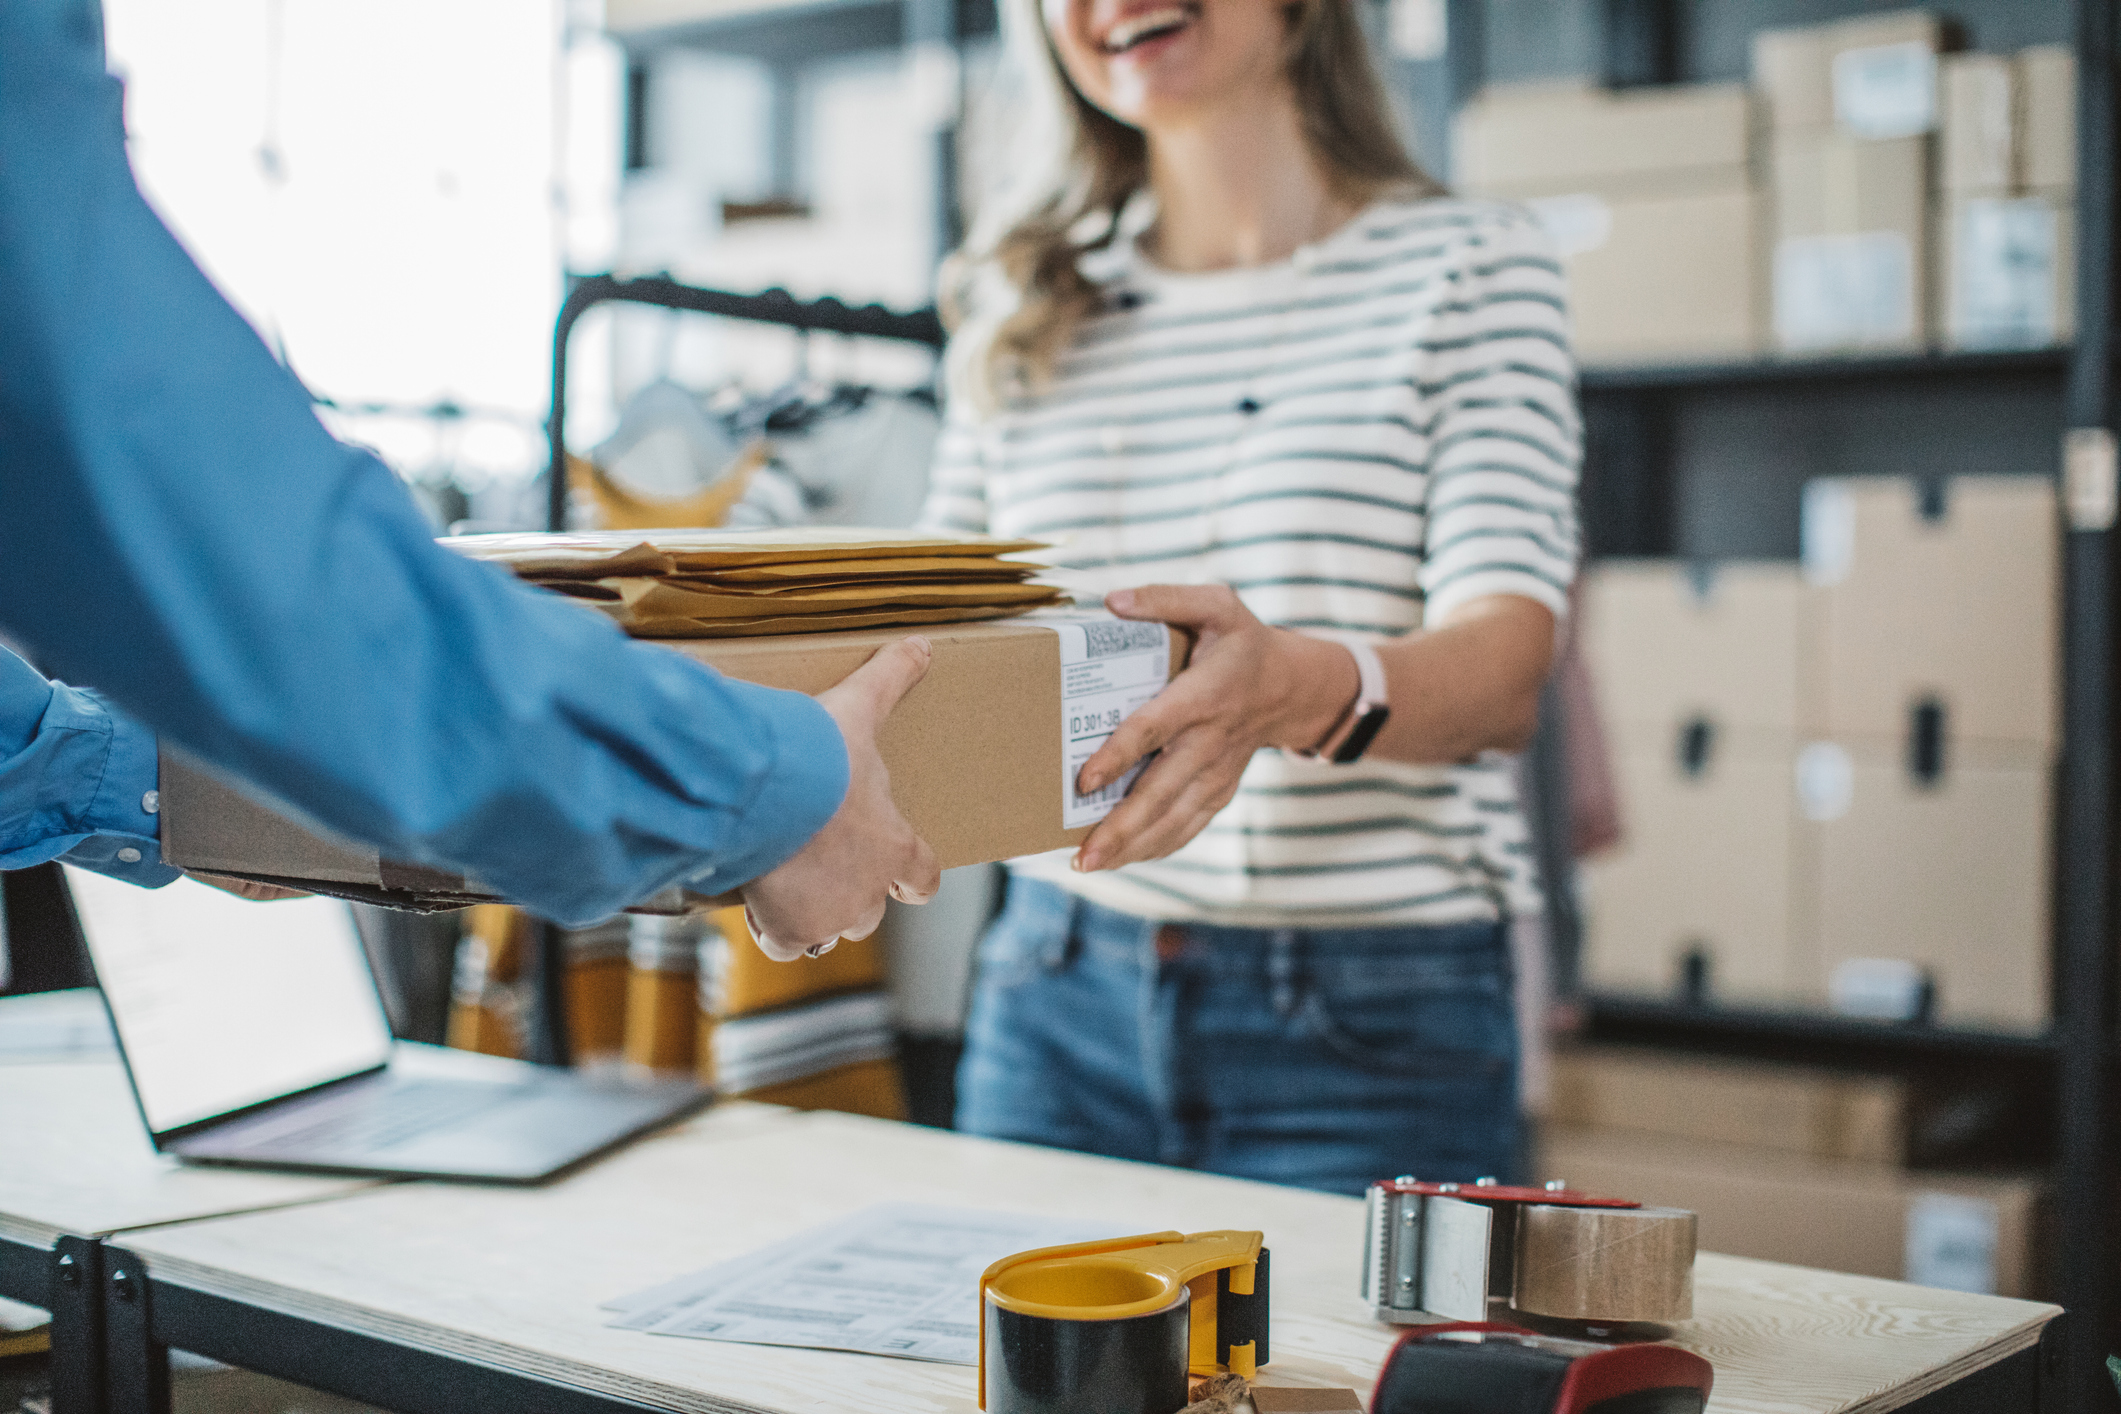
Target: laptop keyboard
[(387, 1115)]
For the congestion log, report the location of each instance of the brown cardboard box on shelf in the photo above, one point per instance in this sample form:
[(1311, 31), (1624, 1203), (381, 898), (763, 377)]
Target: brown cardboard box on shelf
[(1970, 1231), (1851, 255), (1516, 140), (2047, 107), (1651, 200), (1713, 861), (2006, 270), (975, 754), (1668, 641), (1941, 864), (1951, 598), (1827, 1114), (1673, 277), (1794, 69), (1977, 137)]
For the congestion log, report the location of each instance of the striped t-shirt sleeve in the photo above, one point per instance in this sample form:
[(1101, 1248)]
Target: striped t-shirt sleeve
[(957, 483), (1504, 439)]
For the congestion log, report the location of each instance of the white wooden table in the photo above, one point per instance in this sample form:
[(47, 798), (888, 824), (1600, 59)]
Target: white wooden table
[(430, 1297), (76, 1167)]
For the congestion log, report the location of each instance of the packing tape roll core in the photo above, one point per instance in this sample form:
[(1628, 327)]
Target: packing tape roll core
[(1606, 1264), (1128, 1365)]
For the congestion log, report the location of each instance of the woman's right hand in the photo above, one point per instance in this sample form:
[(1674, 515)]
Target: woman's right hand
[(835, 886)]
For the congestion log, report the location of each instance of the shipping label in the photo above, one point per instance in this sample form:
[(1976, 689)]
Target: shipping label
[(1109, 667)]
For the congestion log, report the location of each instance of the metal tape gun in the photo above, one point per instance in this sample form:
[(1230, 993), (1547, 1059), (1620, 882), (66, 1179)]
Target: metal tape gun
[(1487, 1251), (1116, 1326)]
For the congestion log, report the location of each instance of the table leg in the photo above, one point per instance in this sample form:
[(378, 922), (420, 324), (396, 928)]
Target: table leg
[(76, 1307), (136, 1365)]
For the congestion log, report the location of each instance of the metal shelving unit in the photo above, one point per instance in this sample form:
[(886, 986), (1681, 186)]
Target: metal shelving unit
[(1630, 484)]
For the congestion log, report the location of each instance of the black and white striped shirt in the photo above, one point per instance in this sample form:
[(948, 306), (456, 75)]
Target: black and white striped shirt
[(1381, 427)]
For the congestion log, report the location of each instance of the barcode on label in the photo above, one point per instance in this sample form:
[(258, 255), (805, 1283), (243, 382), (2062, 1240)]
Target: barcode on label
[(1102, 640)]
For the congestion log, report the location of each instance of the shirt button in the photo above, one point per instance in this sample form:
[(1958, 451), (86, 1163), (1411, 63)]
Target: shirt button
[(152, 802), (128, 855), (1114, 440)]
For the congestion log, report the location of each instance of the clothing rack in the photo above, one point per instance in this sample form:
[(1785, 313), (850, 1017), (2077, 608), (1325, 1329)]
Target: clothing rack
[(546, 1034), (774, 306)]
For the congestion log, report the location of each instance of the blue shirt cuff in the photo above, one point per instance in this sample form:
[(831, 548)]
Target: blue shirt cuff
[(87, 782), (789, 802)]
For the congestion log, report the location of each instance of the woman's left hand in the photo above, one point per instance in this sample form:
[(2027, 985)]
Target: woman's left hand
[(1248, 686)]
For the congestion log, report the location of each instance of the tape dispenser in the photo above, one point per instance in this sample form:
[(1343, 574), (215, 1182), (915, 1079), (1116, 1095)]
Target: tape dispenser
[(1117, 1325), (1479, 1368), (1486, 1251)]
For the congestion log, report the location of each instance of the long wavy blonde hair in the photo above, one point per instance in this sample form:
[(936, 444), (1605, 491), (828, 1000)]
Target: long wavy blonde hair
[(1015, 292)]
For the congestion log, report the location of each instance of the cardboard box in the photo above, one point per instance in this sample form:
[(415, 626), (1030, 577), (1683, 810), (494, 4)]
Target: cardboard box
[(1951, 594), (1827, 1114), (1668, 278), (1713, 861), (1968, 1231), (2047, 108), (1668, 641), (1977, 141), (1946, 870), (2007, 270), (975, 754), (1544, 139), (1851, 261), (1809, 77)]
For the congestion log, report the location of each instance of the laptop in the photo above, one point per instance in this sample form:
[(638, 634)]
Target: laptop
[(254, 1036)]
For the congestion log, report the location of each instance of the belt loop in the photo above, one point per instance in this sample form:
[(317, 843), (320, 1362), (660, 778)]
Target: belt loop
[(1281, 971)]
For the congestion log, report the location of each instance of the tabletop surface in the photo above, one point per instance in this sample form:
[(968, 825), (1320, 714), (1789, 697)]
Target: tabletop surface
[(514, 1277), (75, 1158)]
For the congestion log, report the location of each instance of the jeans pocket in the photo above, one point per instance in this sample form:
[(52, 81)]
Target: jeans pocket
[(1417, 1020), (1030, 938)]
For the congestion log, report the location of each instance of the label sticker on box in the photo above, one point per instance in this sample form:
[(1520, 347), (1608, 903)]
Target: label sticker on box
[(2003, 276), (1886, 90), (1952, 1242), (1849, 291), (1109, 667)]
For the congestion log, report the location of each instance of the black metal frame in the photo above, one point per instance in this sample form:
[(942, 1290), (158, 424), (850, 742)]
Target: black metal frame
[(65, 1280)]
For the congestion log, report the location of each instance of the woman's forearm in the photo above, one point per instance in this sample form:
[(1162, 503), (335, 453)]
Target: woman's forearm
[(1470, 684)]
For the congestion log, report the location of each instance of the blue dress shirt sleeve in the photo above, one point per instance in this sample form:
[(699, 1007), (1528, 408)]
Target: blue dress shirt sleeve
[(177, 529), (77, 781)]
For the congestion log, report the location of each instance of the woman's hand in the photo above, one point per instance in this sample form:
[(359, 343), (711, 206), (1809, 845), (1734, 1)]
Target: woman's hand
[(1247, 686)]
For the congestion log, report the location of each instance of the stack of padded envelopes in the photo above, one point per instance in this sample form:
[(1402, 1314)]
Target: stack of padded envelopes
[(739, 584)]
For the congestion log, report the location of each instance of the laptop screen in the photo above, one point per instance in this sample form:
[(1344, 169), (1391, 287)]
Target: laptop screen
[(221, 1003)]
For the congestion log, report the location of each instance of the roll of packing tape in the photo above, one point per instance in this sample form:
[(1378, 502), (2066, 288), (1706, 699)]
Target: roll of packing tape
[(1108, 1355), (1606, 1264)]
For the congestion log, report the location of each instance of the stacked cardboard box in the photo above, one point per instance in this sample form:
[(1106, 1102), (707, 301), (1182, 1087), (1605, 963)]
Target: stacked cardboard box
[(1836, 787), (1790, 1164), (2005, 224), (1929, 782), (1652, 201), (1851, 108), (1702, 678)]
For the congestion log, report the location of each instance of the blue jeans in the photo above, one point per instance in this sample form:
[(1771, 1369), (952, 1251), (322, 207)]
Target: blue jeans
[(1325, 1059)]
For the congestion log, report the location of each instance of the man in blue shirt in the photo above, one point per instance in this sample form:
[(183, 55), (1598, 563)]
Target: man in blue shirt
[(177, 529)]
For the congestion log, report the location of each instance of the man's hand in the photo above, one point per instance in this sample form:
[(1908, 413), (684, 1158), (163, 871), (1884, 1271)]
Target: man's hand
[(835, 886), (244, 888)]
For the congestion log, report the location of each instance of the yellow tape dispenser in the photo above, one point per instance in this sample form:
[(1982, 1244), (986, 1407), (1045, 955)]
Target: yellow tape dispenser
[(1115, 1326)]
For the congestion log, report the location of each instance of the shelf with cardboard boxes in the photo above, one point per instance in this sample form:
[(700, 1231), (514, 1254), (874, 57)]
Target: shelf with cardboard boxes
[(1837, 778), (1867, 191), (1875, 254)]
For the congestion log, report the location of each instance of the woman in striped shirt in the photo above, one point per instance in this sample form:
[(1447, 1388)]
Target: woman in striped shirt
[(1256, 376)]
